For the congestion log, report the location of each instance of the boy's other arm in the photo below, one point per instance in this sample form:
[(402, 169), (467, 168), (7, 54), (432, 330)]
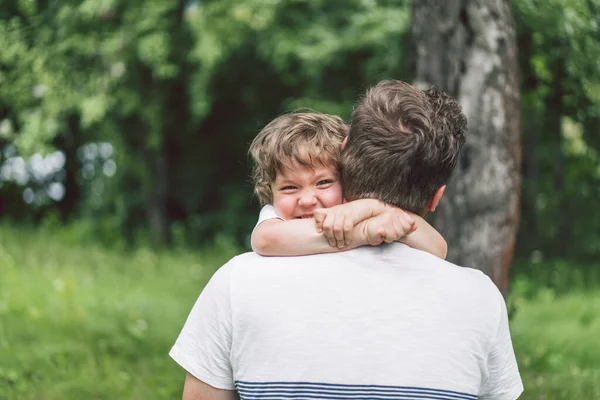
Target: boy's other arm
[(337, 222), (426, 238)]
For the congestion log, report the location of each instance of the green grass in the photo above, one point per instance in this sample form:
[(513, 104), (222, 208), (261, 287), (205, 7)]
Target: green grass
[(555, 327), (557, 341), (83, 322), (80, 321)]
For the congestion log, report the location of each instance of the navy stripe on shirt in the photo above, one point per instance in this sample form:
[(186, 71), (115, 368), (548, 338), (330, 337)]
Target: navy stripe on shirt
[(315, 390)]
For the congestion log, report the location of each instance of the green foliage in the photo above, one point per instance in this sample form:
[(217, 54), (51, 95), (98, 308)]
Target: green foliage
[(559, 42), (180, 88)]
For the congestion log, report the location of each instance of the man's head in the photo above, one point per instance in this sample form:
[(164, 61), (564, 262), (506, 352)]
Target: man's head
[(296, 160), (403, 145)]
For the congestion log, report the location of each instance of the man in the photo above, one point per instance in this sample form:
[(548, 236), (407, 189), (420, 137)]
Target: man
[(387, 322)]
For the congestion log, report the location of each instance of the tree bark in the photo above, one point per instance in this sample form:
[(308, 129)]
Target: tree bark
[(468, 49)]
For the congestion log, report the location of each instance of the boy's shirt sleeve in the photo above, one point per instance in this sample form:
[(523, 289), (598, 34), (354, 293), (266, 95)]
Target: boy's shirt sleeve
[(203, 347), (504, 381), (267, 212)]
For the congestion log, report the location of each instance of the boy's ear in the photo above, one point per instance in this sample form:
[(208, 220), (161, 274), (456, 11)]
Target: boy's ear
[(344, 143), (436, 199)]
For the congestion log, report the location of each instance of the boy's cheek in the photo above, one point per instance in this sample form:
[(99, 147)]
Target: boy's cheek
[(333, 197), (284, 206)]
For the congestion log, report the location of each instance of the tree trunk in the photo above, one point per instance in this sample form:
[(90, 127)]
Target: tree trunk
[(468, 49)]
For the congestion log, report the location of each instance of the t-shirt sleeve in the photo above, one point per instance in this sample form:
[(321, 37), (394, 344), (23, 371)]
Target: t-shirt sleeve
[(267, 212), (504, 381), (203, 347)]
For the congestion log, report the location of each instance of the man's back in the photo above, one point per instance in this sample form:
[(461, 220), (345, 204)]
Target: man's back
[(387, 322)]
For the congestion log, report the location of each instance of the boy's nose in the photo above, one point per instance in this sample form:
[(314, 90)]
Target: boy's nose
[(307, 199)]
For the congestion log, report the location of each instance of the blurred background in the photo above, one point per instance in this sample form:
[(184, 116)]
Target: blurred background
[(124, 174)]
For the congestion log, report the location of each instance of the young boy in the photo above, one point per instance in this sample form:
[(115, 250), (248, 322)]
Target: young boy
[(297, 181)]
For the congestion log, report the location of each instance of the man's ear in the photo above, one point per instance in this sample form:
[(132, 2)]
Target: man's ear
[(436, 198), (344, 143)]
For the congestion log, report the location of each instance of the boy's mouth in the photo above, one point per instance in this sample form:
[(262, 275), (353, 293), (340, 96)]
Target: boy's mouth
[(305, 216)]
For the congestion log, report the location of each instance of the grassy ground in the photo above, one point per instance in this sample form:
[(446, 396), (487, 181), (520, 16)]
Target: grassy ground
[(83, 322), (555, 327)]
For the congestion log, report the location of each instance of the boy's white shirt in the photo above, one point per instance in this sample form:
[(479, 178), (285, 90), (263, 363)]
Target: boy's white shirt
[(379, 322), (268, 212)]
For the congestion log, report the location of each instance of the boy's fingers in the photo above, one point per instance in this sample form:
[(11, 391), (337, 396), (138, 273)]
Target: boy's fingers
[(402, 230), (404, 223), (386, 236), (348, 226), (319, 217), (413, 227), (339, 232), (393, 234), (376, 239), (369, 233), (405, 229), (328, 230), (409, 218)]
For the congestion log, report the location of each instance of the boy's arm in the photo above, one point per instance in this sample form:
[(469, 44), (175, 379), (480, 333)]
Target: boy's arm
[(337, 222), (426, 238), (275, 237)]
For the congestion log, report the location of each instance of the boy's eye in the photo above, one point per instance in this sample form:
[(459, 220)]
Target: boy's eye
[(287, 188), (325, 182)]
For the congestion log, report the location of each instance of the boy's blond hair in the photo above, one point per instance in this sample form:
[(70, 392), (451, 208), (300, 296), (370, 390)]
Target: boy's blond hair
[(308, 138)]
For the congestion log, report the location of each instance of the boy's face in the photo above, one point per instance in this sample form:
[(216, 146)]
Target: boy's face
[(298, 191)]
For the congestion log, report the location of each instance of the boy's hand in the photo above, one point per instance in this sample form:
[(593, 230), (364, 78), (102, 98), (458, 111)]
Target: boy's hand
[(389, 226), (337, 222)]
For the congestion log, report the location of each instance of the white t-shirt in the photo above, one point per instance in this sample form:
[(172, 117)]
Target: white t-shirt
[(267, 212), (387, 322)]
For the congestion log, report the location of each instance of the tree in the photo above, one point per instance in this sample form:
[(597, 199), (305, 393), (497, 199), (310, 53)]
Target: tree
[(468, 49)]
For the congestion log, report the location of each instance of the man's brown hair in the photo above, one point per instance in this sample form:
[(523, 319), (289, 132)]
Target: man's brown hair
[(308, 138), (403, 145)]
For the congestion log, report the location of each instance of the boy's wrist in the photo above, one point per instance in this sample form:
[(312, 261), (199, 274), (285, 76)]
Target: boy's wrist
[(372, 207)]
